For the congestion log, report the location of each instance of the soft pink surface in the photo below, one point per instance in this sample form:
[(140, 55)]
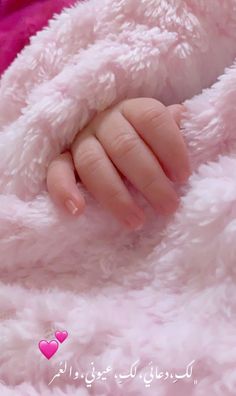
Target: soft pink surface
[(19, 20), (165, 294)]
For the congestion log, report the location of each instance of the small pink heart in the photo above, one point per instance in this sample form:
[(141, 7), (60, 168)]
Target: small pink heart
[(61, 336), (48, 349)]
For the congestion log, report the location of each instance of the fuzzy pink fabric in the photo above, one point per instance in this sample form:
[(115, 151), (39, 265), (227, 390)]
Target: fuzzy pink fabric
[(20, 19), (164, 296)]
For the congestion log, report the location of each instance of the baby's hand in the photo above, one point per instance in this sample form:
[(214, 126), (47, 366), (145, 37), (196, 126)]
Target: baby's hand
[(139, 139)]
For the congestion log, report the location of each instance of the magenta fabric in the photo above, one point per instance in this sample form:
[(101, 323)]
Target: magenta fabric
[(20, 19)]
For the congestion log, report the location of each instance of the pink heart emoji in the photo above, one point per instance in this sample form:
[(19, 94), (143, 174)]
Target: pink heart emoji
[(48, 349), (61, 336)]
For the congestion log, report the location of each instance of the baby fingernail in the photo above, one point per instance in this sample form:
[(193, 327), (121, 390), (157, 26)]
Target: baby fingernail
[(71, 206)]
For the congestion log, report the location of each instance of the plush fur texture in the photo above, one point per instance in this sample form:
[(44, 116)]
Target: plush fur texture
[(165, 294), (20, 19)]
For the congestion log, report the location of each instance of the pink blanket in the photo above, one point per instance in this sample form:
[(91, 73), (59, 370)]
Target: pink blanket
[(151, 312), (20, 19)]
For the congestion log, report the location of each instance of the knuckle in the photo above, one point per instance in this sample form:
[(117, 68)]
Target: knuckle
[(56, 161), (51, 167), (60, 162), (88, 160), (154, 115), (115, 196), (151, 181), (123, 144)]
